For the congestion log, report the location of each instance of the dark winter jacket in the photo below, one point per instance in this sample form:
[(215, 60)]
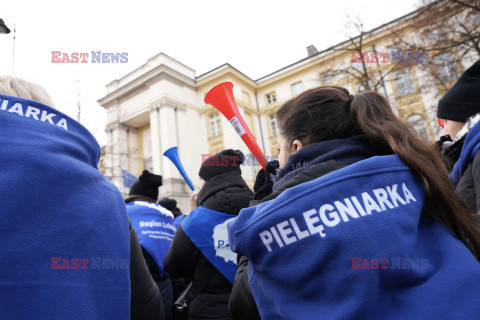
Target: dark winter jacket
[(466, 170), (227, 193), (469, 185)]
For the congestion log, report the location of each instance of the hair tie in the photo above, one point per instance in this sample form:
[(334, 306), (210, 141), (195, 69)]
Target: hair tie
[(349, 102)]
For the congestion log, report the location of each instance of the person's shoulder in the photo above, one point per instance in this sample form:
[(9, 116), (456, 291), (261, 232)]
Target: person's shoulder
[(475, 164)]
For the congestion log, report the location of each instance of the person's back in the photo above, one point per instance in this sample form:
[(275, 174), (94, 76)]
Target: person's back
[(358, 223), (154, 227), (200, 248), (352, 244), (64, 235)]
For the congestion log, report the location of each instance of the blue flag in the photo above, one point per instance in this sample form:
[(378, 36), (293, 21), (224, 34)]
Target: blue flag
[(64, 232), (154, 227), (208, 231), (128, 179)]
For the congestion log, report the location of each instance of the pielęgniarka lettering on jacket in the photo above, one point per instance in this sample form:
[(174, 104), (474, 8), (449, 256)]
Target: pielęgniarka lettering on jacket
[(30, 109), (287, 231)]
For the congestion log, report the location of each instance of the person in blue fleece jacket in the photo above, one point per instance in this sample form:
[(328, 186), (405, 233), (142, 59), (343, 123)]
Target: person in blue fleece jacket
[(154, 227), (362, 221), (68, 251)]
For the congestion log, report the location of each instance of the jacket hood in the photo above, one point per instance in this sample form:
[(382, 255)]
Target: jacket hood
[(346, 151), (77, 221), (227, 193)]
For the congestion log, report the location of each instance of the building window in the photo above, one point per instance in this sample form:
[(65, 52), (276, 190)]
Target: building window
[(417, 122), (394, 48), (446, 67), (297, 88), (362, 59), (215, 125), (271, 97), (395, 53), (435, 35), (358, 66), (404, 82), (246, 97), (361, 87), (273, 125), (326, 77)]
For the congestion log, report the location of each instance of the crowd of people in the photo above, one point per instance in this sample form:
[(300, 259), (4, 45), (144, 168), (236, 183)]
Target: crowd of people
[(359, 218)]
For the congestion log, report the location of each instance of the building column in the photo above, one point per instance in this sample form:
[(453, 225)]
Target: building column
[(132, 135), (119, 154), (168, 129), (109, 154), (173, 183), (156, 141)]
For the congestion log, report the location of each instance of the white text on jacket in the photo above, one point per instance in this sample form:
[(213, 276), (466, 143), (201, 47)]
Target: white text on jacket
[(34, 113), (287, 232)]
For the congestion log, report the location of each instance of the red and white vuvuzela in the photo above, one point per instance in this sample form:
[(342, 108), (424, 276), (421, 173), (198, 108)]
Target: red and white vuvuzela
[(221, 98)]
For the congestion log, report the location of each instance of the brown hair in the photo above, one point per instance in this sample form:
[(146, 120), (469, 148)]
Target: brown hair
[(323, 113)]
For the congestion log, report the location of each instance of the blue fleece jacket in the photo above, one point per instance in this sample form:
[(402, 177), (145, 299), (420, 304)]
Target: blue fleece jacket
[(347, 151), (64, 232), (355, 244), (154, 227)]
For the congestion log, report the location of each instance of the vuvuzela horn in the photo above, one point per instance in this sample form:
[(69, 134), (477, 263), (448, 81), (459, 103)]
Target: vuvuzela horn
[(221, 98), (172, 154)]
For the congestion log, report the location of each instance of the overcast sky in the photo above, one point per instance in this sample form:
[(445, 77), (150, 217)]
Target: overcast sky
[(257, 37)]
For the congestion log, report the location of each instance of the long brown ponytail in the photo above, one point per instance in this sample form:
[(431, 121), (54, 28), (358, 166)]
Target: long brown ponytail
[(323, 113), (377, 121)]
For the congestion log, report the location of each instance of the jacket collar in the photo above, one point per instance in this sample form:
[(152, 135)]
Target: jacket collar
[(346, 151), (138, 197)]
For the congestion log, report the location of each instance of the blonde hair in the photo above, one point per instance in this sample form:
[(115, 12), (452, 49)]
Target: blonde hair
[(13, 86)]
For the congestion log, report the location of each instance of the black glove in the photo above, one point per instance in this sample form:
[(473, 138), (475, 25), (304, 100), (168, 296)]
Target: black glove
[(443, 143), (264, 183)]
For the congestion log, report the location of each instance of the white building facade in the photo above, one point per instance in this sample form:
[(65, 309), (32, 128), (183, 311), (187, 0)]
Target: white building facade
[(160, 105)]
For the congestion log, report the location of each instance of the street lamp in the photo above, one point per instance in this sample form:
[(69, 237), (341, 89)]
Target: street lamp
[(5, 30), (3, 27)]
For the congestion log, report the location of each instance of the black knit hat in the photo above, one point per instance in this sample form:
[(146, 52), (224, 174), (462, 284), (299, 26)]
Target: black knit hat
[(146, 185), (226, 161), (463, 99), (168, 203)]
